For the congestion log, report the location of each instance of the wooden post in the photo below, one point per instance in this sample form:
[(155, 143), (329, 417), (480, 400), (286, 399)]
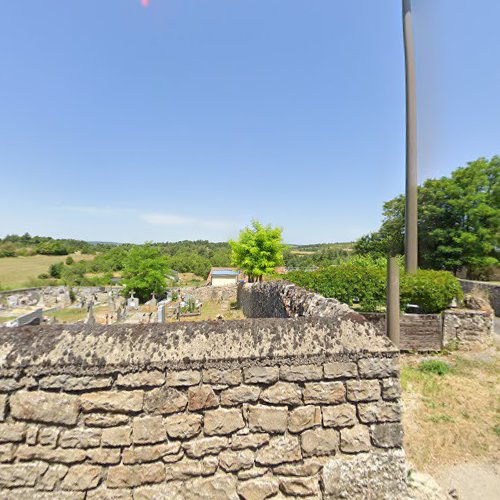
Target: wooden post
[(392, 308)]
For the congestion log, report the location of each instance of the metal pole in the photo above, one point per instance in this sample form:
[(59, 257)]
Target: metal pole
[(392, 308), (411, 215)]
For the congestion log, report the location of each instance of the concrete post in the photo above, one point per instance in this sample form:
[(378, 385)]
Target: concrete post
[(411, 214), (392, 307)]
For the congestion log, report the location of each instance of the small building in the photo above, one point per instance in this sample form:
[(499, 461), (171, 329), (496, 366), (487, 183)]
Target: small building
[(223, 276)]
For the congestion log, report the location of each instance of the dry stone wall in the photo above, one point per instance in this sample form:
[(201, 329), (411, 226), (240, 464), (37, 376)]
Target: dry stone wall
[(252, 409)]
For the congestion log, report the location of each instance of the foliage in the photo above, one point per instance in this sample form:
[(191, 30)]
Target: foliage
[(312, 256), (435, 366), (362, 280), (69, 260), (258, 251), (459, 221), (55, 270), (144, 272)]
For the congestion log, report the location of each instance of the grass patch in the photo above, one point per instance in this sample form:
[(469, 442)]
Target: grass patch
[(4, 319), (451, 414), (16, 272), (435, 366)]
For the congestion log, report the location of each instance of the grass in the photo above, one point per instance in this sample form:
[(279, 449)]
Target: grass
[(73, 314), (4, 319), (16, 272), (451, 414), (210, 310)]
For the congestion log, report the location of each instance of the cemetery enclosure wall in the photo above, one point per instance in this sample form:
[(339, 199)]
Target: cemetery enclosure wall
[(419, 332), (491, 289), (239, 409)]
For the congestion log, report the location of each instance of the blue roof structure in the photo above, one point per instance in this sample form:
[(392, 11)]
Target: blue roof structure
[(225, 272)]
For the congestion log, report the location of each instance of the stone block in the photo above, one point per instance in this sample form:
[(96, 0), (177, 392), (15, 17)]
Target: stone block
[(343, 415), (222, 421), (267, 419), (186, 468), (103, 493), (391, 389), (370, 413), (301, 373), (241, 441), (309, 467), (113, 401), (165, 400), (183, 378), (117, 436), (324, 393), (69, 383), (6, 452), (145, 454), (220, 486), (82, 477), (197, 448), (51, 478), (3, 405), (282, 393), (319, 442), (378, 367), (279, 450), (18, 475), (300, 486), (378, 475), (10, 385), (47, 407), (252, 473), (304, 418), (387, 435), (363, 390), (201, 397), (12, 433), (146, 430), (261, 374), (183, 426), (152, 378), (259, 488), (239, 395), (235, 460), (47, 436), (80, 438), (131, 476), (31, 434), (104, 456), (355, 439), (170, 459), (105, 420), (26, 453), (340, 370), (222, 377)]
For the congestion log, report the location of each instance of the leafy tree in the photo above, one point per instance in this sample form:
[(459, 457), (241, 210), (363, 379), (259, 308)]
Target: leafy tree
[(258, 251), (144, 271), (55, 270), (459, 221)]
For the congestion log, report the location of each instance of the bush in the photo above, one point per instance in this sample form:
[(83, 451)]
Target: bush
[(43, 276), (362, 280), (69, 260), (433, 291), (435, 366), (55, 270)]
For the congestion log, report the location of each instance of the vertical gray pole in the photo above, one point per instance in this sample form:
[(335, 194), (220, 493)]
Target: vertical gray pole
[(392, 308), (411, 216)]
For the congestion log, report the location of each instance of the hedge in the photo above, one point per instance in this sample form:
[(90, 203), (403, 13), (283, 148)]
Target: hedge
[(362, 281)]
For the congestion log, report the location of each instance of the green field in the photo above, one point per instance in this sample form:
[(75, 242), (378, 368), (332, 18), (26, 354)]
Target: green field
[(16, 272)]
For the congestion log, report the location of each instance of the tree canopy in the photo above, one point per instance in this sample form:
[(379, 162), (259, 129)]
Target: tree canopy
[(145, 270), (258, 250), (459, 221)]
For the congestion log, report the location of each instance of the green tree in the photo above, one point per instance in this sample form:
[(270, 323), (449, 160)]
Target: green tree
[(55, 270), (258, 251), (144, 272), (459, 221)]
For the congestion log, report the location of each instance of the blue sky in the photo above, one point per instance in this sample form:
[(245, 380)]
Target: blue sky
[(186, 119)]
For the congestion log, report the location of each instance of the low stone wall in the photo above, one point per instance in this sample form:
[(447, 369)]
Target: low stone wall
[(281, 299), (219, 294), (467, 326), (491, 289), (238, 409)]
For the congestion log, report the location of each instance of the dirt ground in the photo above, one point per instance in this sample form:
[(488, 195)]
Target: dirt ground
[(452, 421)]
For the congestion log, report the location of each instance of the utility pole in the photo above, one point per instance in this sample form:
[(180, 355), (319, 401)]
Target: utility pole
[(392, 308), (411, 214)]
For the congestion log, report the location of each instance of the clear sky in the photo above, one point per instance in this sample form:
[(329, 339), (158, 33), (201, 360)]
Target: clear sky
[(187, 118)]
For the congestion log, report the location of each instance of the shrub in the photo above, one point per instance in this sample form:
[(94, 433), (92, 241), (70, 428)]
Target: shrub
[(435, 366), (43, 276), (362, 280), (69, 260), (55, 270), (433, 291)]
